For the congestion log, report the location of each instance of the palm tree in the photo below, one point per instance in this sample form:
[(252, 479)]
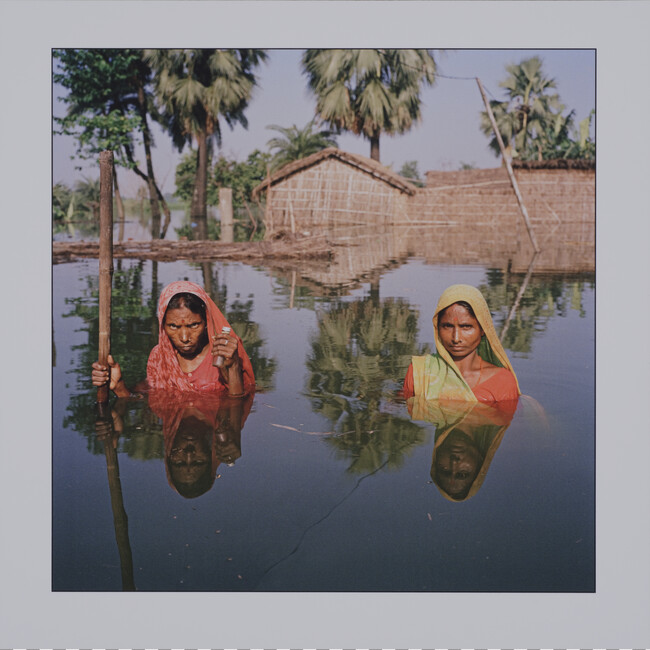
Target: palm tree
[(528, 110), (298, 143), (369, 92), (195, 88)]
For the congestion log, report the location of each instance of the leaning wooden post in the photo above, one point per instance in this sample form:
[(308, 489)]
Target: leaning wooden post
[(105, 262), (511, 175)]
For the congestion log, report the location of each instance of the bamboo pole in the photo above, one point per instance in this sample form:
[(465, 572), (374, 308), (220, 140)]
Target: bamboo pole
[(511, 175), (120, 519), (522, 290), (105, 262)]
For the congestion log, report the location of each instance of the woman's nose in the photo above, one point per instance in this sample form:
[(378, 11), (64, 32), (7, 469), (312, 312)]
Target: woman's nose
[(185, 334), (456, 334)]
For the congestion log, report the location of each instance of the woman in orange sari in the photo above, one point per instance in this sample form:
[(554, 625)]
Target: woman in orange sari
[(470, 363), (190, 338)]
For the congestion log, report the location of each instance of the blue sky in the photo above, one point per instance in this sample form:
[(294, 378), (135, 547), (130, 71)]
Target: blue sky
[(447, 135)]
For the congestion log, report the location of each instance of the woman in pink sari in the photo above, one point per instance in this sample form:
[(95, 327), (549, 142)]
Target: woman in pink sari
[(190, 339)]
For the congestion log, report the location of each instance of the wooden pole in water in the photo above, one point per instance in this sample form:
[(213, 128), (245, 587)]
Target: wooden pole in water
[(511, 174), (105, 262)]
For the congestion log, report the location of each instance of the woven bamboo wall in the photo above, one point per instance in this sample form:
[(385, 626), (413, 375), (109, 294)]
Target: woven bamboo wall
[(333, 193), (485, 196)]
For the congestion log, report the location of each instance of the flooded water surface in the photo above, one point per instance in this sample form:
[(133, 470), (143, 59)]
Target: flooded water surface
[(324, 481)]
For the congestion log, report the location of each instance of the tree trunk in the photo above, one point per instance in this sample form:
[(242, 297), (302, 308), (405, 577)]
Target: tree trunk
[(120, 205), (374, 146), (143, 176), (198, 210), (151, 181)]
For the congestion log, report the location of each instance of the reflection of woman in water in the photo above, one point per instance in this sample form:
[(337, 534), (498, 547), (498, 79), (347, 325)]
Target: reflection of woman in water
[(190, 336), (200, 433), (467, 437), (470, 364)]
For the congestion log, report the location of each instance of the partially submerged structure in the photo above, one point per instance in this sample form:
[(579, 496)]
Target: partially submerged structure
[(460, 217), (333, 187)]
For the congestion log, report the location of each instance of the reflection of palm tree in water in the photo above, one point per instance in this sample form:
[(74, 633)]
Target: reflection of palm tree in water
[(522, 305), (361, 347), (238, 315)]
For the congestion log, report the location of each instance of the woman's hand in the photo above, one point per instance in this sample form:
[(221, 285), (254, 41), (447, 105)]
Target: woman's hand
[(101, 374), (225, 345)]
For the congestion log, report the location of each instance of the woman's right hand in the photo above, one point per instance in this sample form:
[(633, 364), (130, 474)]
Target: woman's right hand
[(100, 373)]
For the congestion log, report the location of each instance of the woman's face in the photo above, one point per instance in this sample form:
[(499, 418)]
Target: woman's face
[(457, 464), (459, 331), (186, 330)]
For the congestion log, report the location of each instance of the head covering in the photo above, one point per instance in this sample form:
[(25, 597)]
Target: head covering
[(483, 425), (163, 370), (490, 348)]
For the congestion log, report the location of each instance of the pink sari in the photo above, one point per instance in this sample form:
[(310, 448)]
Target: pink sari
[(163, 370)]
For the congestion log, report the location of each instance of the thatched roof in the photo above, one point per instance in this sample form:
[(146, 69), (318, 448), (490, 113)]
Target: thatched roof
[(360, 162), (558, 163)]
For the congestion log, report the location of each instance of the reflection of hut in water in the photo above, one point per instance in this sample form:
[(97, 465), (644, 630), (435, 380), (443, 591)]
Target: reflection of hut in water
[(333, 187)]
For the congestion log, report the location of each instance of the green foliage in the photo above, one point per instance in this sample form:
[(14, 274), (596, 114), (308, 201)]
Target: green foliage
[(102, 99), (62, 200), (298, 143), (410, 170), (559, 142), (188, 230), (544, 298), (86, 192), (185, 176), (239, 316), (198, 86), (369, 92), (359, 355), (241, 177), (530, 119)]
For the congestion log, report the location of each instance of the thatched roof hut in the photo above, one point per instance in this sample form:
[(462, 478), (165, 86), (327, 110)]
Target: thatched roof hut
[(333, 186)]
